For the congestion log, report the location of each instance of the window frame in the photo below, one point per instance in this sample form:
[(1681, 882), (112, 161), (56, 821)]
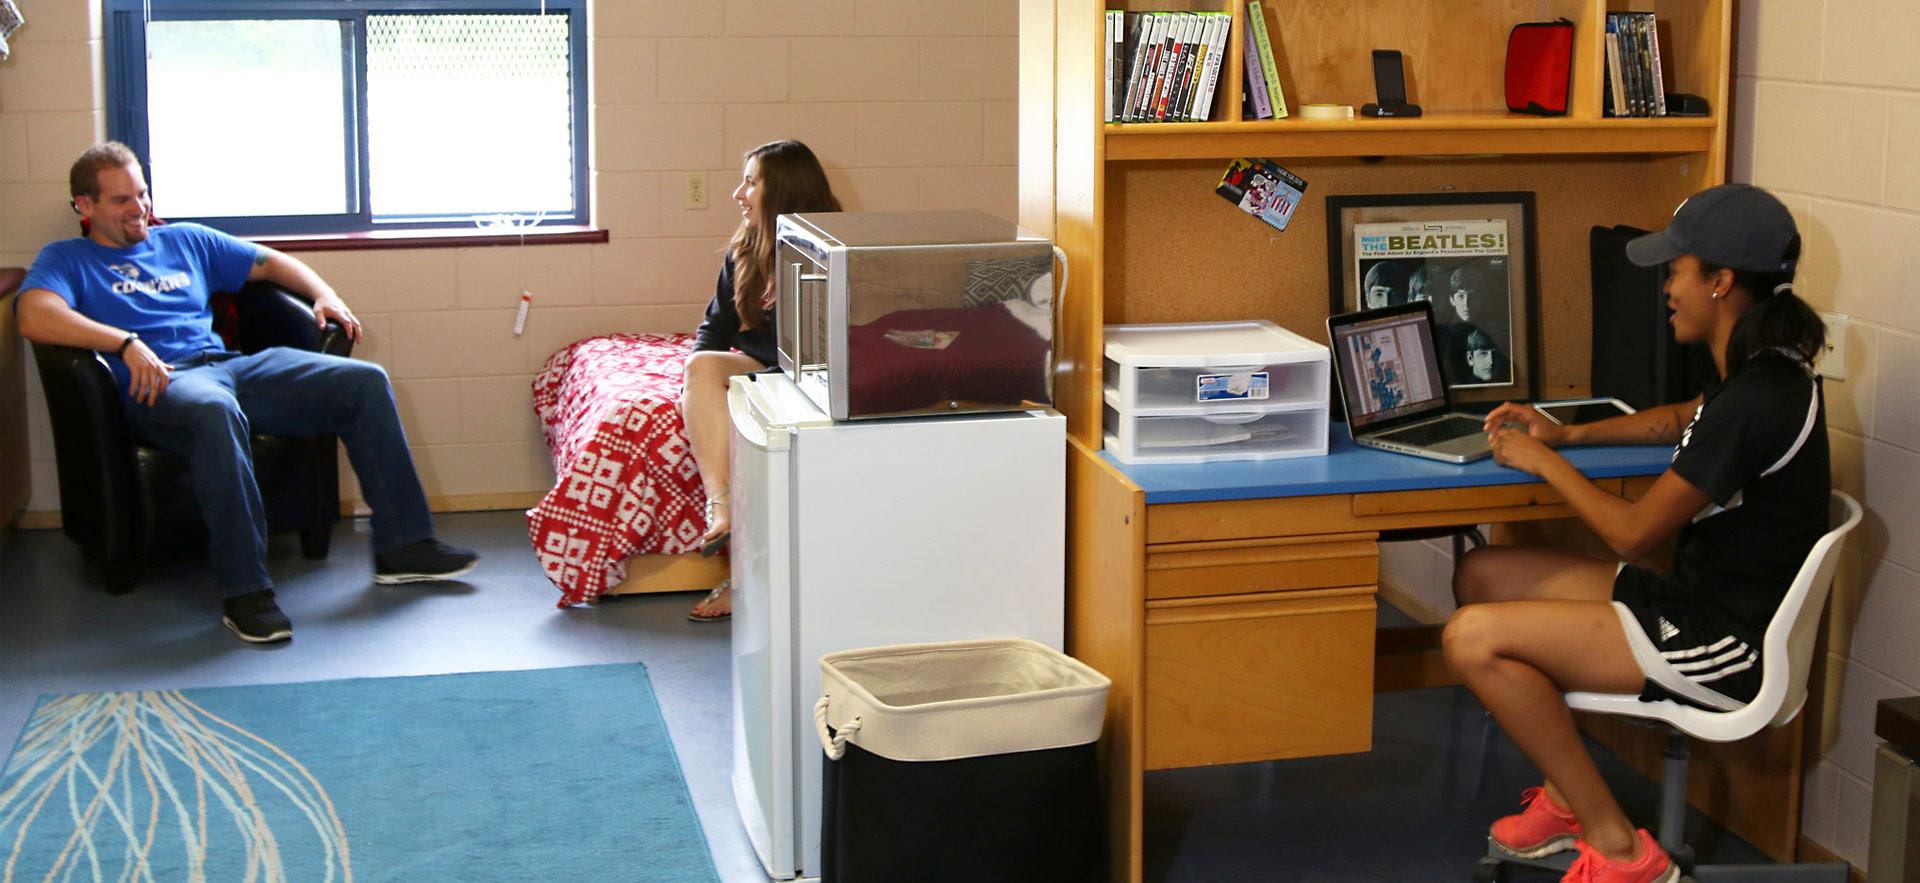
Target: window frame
[(126, 50)]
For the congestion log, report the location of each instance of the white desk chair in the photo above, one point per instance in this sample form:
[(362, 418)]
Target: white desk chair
[(1786, 654)]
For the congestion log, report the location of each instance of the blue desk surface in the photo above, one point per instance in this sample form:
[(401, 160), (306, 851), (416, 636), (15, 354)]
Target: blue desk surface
[(1349, 468)]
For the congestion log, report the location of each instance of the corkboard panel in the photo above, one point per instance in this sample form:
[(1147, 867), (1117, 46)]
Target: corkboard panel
[(1176, 252)]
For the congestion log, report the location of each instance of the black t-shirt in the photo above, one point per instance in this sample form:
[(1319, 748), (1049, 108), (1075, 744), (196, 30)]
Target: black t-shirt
[(721, 330), (1757, 447)]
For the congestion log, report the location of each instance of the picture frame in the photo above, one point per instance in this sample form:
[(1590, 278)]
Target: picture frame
[(1472, 255)]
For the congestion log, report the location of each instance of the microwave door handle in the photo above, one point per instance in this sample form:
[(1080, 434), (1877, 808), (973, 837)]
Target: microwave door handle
[(810, 312), (793, 285)]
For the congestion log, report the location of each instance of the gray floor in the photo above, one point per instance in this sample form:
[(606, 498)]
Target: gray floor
[(1415, 808)]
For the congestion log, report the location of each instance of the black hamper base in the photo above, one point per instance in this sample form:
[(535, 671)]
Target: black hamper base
[(1025, 816)]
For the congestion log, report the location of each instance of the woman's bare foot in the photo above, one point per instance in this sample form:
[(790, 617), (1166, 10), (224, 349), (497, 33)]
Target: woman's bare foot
[(716, 606)]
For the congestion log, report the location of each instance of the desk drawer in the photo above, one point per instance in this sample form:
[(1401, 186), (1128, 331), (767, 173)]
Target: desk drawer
[(1466, 499), (1259, 677), (1234, 567)]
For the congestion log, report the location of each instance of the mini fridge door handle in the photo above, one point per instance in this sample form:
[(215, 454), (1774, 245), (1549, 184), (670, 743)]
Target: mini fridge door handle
[(748, 424)]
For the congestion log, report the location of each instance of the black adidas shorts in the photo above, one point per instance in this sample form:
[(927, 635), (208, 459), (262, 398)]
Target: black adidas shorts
[(1690, 652)]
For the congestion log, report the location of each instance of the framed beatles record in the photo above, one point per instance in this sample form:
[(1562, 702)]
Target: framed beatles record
[(1472, 255)]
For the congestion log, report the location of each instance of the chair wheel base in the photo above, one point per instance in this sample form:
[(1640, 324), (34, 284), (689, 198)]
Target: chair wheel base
[(120, 576), (315, 541)]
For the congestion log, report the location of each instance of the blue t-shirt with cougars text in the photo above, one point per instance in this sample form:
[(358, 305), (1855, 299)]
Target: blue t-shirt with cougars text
[(157, 288)]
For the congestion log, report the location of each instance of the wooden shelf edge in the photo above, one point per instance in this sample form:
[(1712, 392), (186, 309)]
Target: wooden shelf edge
[(1438, 136)]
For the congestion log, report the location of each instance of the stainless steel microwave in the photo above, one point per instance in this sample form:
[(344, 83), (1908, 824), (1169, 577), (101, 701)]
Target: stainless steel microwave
[(893, 314)]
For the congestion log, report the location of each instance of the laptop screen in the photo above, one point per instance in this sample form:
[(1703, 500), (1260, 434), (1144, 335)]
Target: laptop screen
[(1387, 364)]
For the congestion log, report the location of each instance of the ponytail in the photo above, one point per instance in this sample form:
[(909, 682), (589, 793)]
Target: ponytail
[(1777, 319)]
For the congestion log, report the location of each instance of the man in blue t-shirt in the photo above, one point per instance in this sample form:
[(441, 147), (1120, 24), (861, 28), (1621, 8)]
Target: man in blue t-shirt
[(138, 295)]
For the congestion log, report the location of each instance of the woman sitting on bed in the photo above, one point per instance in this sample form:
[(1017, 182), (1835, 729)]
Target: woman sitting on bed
[(737, 336)]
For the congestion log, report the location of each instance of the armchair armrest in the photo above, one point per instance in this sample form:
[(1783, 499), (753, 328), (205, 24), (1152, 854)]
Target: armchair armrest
[(95, 462), (273, 316)]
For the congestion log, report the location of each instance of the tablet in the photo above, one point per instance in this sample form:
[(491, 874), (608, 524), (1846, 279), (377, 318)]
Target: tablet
[(1570, 411)]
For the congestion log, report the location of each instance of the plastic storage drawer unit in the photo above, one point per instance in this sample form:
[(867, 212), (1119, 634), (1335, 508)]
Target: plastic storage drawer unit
[(1192, 393)]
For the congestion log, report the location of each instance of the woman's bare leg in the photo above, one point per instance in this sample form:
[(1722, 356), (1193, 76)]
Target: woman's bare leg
[(1519, 657), (703, 405), (1520, 573)]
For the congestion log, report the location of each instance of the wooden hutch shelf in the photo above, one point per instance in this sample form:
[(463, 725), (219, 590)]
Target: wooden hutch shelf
[(1449, 134)]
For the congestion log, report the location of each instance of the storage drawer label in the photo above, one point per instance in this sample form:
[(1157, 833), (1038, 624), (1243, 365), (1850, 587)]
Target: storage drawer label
[(1230, 387)]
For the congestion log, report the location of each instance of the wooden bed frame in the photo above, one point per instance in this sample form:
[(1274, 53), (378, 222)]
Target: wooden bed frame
[(685, 572)]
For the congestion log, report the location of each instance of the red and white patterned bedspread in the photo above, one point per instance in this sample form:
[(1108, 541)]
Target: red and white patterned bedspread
[(626, 480)]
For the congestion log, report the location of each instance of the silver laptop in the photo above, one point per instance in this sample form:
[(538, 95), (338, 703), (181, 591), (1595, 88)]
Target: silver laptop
[(1388, 370)]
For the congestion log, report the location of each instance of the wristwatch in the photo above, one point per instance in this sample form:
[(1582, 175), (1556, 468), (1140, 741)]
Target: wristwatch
[(131, 337)]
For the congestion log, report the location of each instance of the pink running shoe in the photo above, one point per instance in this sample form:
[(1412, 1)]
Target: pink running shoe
[(1540, 828), (1653, 867)]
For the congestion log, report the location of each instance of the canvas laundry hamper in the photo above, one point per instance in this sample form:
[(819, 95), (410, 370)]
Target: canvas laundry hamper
[(962, 760)]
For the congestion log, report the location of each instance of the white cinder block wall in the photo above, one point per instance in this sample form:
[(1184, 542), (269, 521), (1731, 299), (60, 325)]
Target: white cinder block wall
[(909, 104), (1828, 117)]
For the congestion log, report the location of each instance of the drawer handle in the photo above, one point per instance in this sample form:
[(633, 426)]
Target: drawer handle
[(1234, 419)]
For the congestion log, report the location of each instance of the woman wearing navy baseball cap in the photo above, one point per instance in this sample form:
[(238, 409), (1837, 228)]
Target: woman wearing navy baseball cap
[(1746, 497)]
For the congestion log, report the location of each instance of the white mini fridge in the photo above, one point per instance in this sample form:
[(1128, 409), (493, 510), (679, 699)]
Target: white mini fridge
[(864, 534)]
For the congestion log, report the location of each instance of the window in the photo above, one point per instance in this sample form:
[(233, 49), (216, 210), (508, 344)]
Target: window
[(318, 116)]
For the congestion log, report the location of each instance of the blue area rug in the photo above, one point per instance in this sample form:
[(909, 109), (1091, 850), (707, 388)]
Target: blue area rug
[(559, 774)]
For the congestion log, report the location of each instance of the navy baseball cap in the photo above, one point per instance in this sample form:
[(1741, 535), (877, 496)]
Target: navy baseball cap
[(1733, 225)]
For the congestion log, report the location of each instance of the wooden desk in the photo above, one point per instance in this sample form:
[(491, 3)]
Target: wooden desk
[(1232, 604)]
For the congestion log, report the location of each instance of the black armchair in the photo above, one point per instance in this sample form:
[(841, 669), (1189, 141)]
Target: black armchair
[(122, 499)]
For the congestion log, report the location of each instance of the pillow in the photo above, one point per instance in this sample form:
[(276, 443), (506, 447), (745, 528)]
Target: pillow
[(1000, 280)]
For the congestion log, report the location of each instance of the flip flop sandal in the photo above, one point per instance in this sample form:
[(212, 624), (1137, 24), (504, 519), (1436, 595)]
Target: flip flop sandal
[(711, 597), (713, 546)]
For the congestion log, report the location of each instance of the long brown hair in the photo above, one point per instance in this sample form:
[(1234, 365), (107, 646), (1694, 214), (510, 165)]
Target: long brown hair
[(791, 180)]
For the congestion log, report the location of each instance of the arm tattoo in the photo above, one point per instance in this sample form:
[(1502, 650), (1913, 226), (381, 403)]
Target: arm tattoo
[(1662, 429), (260, 258)]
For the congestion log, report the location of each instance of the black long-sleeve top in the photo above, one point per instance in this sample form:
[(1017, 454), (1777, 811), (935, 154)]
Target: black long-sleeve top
[(721, 329)]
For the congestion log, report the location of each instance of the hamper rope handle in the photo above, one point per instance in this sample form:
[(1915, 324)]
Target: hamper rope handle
[(835, 744)]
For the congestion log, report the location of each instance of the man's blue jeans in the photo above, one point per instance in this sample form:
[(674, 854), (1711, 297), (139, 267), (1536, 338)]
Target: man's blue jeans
[(216, 400)]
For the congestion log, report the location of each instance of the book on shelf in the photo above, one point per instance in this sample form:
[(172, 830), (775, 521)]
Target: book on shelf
[(1257, 29), (1640, 69), (1259, 103), (1162, 56), (1261, 188), (1147, 50), (1635, 83), (1178, 70), (1136, 51), (1218, 24), (1179, 34), (1163, 66), (1183, 73), (1616, 84), (1659, 79), (1116, 41)]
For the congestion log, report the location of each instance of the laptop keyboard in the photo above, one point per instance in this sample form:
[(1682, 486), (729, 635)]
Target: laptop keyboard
[(1436, 432)]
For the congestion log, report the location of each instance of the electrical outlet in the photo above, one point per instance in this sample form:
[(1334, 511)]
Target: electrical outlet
[(1833, 361), (696, 190)]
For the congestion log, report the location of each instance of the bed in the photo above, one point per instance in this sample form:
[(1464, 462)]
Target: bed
[(626, 510)]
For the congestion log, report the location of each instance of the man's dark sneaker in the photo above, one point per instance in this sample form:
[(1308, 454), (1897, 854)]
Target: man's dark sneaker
[(424, 561), (254, 618)]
